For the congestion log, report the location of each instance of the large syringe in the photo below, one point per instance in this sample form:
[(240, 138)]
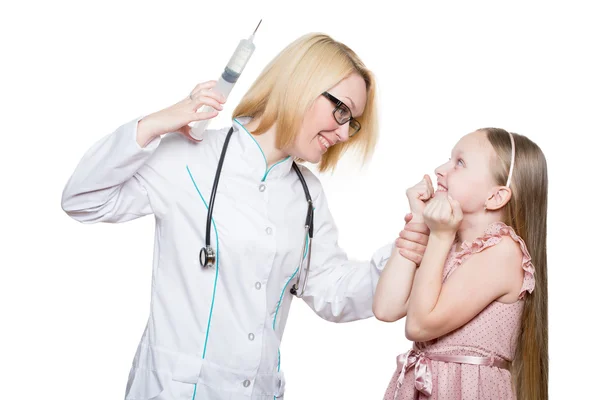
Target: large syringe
[(228, 78)]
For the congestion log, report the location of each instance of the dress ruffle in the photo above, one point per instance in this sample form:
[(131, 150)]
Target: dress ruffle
[(492, 236)]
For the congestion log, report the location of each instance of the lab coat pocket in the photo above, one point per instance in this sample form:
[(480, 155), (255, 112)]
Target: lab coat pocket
[(143, 384)]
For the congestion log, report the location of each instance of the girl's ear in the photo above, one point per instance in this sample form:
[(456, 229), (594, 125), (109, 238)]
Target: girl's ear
[(498, 198)]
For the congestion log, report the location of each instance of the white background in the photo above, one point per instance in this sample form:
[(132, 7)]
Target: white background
[(74, 299)]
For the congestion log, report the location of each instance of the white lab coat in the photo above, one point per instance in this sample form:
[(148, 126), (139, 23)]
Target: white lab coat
[(215, 333)]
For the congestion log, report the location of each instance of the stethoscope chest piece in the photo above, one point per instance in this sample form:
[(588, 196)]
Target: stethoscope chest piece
[(207, 257)]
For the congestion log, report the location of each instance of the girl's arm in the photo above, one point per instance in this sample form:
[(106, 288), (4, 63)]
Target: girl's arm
[(390, 302)]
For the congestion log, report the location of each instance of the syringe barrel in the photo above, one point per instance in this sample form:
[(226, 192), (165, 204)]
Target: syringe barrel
[(240, 57), (228, 78)]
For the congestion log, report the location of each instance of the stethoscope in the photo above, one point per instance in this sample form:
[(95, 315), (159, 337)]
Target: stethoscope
[(207, 253)]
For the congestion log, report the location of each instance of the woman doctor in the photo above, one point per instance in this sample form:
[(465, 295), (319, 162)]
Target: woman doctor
[(214, 331)]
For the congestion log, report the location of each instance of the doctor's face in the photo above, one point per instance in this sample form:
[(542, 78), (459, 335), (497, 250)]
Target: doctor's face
[(321, 127)]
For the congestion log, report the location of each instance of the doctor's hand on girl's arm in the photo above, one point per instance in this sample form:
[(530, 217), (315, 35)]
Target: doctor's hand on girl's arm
[(177, 117), (412, 240)]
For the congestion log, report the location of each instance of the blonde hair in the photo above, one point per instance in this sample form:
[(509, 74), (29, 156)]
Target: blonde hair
[(526, 214), (294, 79)]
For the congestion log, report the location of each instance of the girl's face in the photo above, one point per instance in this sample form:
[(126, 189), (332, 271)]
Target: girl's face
[(320, 130), (467, 176)]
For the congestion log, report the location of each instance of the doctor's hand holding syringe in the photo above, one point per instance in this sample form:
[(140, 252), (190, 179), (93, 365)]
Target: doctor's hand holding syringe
[(177, 117)]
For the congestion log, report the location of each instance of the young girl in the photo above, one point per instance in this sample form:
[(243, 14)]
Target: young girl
[(476, 306)]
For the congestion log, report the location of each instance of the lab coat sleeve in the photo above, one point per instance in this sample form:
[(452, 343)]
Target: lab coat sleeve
[(105, 186), (339, 289)]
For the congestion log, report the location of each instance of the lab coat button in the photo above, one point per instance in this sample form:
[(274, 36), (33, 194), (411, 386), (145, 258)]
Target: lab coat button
[(251, 336), (269, 230), (257, 285), (262, 187), (246, 383)]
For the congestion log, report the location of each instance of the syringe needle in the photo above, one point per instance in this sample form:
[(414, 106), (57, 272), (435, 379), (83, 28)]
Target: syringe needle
[(256, 27)]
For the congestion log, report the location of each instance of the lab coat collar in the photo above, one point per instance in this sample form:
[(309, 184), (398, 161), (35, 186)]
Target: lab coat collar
[(254, 156)]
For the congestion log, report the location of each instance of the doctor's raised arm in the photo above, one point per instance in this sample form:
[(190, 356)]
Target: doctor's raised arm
[(109, 183)]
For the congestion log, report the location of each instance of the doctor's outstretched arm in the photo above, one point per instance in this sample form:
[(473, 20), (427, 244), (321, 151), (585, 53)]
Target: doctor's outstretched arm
[(107, 185)]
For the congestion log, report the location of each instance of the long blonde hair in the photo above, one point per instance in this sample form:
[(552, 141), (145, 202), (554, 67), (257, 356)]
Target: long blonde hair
[(294, 79), (526, 214)]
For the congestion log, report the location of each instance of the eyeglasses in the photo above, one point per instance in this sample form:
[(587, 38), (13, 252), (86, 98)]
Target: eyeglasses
[(342, 114)]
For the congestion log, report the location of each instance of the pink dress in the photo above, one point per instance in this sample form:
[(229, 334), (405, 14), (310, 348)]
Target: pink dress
[(490, 336)]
